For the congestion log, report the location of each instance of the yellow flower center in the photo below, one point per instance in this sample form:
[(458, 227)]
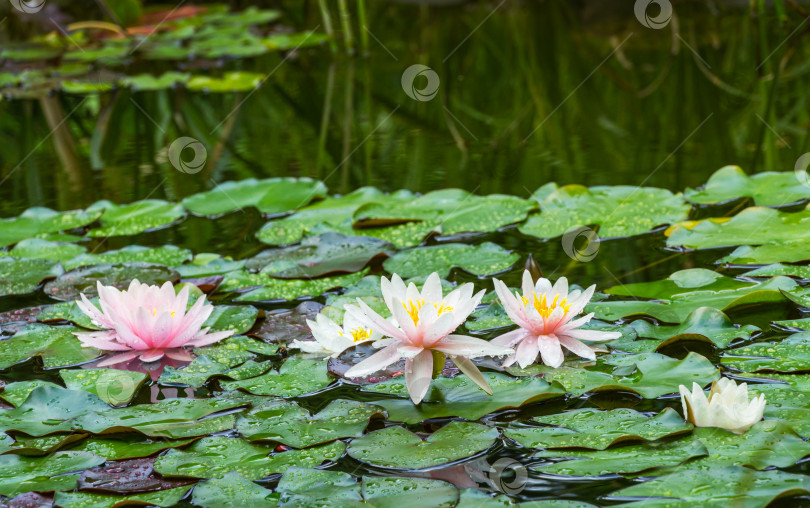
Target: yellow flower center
[(544, 308), (413, 307), (154, 312), (361, 334)]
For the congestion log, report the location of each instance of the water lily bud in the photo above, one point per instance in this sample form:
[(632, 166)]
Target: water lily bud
[(727, 406)]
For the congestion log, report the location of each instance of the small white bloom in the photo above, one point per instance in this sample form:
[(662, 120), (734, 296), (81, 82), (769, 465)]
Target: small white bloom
[(727, 406), (332, 339)]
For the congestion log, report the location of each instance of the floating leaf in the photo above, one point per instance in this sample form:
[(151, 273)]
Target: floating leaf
[(398, 448), (134, 218), (167, 255), (113, 386), (36, 248), (786, 252), (127, 448), (679, 284), (280, 289), (591, 428), (148, 82), (16, 393), (789, 355), (461, 397), (800, 272), (231, 489), (132, 475), (705, 322), (286, 325), (56, 344), (235, 81), (163, 498), (20, 474), (22, 276), (485, 259), (296, 377), (236, 318), (292, 425), (36, 222), (70, 285), (619, 211), (770, 188), (270, 196)]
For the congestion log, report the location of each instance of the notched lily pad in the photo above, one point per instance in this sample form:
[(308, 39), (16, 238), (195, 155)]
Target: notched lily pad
[(71, 284), (769, 188), (22, 276), (270, 196)]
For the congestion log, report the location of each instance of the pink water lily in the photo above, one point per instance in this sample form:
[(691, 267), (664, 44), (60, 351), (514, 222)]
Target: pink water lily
[(148, 321), (545, 315), (423, 322)]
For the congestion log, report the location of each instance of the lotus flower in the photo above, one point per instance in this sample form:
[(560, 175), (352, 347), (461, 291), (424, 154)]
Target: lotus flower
[(423, 323), (332, 339), (727, 406), (545, 315), (148, 321)]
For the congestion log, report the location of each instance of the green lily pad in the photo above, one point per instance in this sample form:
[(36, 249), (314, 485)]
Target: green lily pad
[(649, 375), (167, 255), (619, 211), (56, 344), (398, 448), (706, 322), (731, 486), (148, 82), (16, 393), (292, 425), (787, 403), (22, 276), (774, 270), (485, 259), (621, 460), (68, 311), (283, 289), (752, 226), (730, 183), (320, 255), (457, 211), (789, 355), (236, 318), (793, 324), (36, 222), (594, 429), (127, 448), (680, 283), (473, 498), (71, 284), (235, 81), (195, 374), (113, 386), (81, 499), (785, 252), (401, 235), (231, 489), (296, 377), (20, 474), (282, 41), (204, 266), (134, 218), (270, 196), (36, 248), (461, 397), (38, 446), (214, 456)]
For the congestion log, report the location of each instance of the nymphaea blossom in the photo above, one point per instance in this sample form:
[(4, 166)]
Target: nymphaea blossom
[(332, 339), (147, 321), (423, 322), (545, 315), (727, 406)]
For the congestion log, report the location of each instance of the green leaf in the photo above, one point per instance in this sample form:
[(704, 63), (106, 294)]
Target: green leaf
[(69, 285), (305, 488), (168, 497), (485, 259), (113, 386), (706, 322), (231, 489), (68, 311), (35, 248), (281, 289), (128, 447), (730, 183), (594, 429), (56, 344), (270, 196), (235, 81), (134, 218), (801, 272), (148, 82), (22, 276), (789, 355), (167, 255), (292, 425), (195, 374), (16, 393), (37, 222), (20, 474), (236, 318), (472, 498), (461, 397), (216, 455), (296, 377), (680, 283), (619, 211), (787, 252), (398, 448)]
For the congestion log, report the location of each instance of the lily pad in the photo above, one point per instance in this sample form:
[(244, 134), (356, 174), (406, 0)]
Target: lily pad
[(730, 183), (16, 393), (236, 81), (789, 355), (774, 270), (320, 255), (22, 276), (56, 344), (789, 404), (296, 377), (19, 474), (68, 311), (236, 318), (485, 259), (286, 325), (216, 455), (594, 429), (71, 284), (127, 448), (398, 448), (163, 498), (37, 222), (167, 255), (461, 397), (36, 248), (281, 289), (120, 477), (134, 218), (781, 252), (113, 386), (270, 196), (292, 425), (706, 322), (619, 211), (148, 82), (231, 489), (680, 283)]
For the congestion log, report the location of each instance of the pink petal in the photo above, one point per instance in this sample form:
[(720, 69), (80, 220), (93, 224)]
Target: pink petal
[(418, 374), (179, 354), (439, 330), (577, 347), (101, 340), (461, 345), (151, 355), (119, 358), (592, 335), (550, 351), (509, 339), (469, 369), (510, 304), (378, 361), (208, 338), (526, 351)]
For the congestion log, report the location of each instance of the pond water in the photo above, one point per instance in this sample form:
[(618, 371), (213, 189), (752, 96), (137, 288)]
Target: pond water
[(577, 93)]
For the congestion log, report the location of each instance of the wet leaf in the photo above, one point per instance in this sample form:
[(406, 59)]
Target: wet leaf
[(280, 289), (270, 196), (36, 222), (113, 386), (787, 252), (163, 498), (167, 255), (235, 81), (769, 188), (231, 489), (484, 259), (134, 218), (20, 474), (296, 377), (70, 285), (127, 448), (22, 276), (35, 248), (789, 355), (56, 344)]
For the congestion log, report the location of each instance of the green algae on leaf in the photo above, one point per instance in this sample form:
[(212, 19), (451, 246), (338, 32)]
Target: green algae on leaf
[(134, 218), (231, 489), (20, 474), (23, 276), (619, 211), (789, 355), (113, 386), (282, 289), (270, 196), (484, 259), (216, 455), (296, 376), (37, 222), (289, 424), (167, 255), (461, 397), (398, 448), (595, 429)]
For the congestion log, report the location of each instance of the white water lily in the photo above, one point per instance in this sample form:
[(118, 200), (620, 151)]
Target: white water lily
[(545, 315), (422, 324), (332, 339), (727, 406)]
